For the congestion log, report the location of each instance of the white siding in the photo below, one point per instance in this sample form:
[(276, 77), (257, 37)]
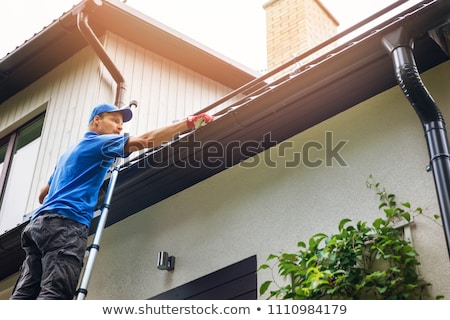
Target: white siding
[(165, 92)]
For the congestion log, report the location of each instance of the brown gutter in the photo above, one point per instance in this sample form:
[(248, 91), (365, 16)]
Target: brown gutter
[(94, 42)]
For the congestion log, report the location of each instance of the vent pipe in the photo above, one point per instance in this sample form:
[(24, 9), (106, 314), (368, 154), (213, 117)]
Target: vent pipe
[(400, 46), (96, 45)]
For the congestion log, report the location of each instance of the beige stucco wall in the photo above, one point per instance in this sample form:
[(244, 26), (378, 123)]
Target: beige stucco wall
[(260, 210), (245, 211)]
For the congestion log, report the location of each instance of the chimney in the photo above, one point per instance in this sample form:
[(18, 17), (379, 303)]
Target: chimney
[(295, 26)]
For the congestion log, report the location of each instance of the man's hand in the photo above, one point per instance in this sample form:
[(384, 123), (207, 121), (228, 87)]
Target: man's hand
[(199, 120)]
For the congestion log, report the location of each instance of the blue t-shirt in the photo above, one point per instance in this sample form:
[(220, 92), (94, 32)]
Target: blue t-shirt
[(79, 174)]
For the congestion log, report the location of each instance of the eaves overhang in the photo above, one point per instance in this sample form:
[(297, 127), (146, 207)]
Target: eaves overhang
[(331, 84), (349, 74), (61, 39)]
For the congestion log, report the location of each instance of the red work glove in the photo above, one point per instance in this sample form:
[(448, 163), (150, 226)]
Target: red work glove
[(199, 120)]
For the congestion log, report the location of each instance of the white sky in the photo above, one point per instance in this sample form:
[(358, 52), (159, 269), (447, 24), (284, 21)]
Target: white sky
[(235, 28)]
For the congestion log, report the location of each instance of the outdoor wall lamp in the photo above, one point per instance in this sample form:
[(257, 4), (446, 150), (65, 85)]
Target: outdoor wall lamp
[(165, 262)]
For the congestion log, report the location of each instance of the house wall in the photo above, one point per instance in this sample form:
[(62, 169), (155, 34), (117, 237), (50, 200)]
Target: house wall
[(165, 91), (256, 209)]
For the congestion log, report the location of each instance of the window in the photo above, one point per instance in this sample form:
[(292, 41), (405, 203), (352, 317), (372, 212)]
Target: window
[(18, 155)]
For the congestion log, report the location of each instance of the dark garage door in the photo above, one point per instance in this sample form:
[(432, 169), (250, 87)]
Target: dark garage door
[(237, 281)]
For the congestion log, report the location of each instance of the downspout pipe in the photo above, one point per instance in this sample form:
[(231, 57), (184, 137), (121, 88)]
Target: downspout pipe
[(94, 42), (400, 46)]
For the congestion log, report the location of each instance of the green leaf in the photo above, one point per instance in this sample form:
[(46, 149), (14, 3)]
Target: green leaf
[(383, 204), (315, 240), (382, 289), (273, 256), (342, 223), (264, 287), (407, 216), (411, 253), (301, 244), (378, 223)]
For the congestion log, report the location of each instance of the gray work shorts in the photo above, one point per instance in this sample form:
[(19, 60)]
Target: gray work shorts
[(55, 248)]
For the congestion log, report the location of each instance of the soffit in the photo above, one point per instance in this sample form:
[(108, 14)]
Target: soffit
[(61, 39)]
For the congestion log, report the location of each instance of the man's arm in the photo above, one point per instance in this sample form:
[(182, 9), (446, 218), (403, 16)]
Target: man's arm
[(43, 193), (157, 137)]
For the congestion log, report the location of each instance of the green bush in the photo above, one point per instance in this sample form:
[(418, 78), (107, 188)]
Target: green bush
[(361, 261)]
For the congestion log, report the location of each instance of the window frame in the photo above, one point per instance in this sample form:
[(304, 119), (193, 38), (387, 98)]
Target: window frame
[(11, 140), (7, 162)]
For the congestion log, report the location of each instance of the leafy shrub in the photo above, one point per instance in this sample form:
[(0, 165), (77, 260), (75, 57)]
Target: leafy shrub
[(361, 261)]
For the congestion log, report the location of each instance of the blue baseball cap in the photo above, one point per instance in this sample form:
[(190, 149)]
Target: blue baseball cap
[(126, 112)]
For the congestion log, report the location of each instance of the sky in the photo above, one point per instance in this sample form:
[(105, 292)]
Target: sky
[(234, 28)]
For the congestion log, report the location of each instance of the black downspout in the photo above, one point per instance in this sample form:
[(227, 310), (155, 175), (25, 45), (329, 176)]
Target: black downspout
[(91, 38), (400, 46)]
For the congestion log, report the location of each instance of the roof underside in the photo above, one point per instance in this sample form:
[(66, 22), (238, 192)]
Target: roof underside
[(351, 74), (61, 39)]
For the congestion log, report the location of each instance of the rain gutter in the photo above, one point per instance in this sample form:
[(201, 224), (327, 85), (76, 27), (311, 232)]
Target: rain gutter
[(399, 44), (87, 32)]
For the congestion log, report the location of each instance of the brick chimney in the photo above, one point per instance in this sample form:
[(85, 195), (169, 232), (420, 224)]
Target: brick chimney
[(295, 26)]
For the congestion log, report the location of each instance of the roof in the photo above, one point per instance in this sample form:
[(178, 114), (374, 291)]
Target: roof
[(61, 39), (349, 74)]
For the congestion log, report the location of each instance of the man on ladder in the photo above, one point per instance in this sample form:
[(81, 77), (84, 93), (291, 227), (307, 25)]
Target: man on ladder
[(55, 240)]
